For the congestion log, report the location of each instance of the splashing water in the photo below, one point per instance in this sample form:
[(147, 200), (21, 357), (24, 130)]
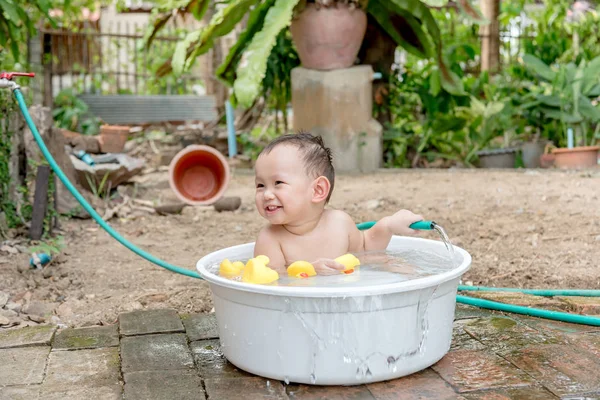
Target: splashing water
[(446, 240)]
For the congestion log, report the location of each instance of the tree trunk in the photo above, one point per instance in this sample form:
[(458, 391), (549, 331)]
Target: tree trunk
[(211, 60), (490, 36), (378, 51)]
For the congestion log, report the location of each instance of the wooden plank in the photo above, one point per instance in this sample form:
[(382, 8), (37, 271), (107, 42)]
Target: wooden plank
[(40, 202)]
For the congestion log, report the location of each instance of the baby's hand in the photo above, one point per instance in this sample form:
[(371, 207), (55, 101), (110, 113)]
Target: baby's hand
[(399, 223), (326, 266)]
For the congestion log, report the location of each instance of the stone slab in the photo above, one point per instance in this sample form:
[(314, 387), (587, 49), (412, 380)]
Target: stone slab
[(211, 362), (307, 392), (164, 385), (155, 353), (589, 342), (29, 336), (464, 311), (200, 326), (504, 335), (555, 327), (82, 369), (30, 392), (470, 370), (461, 340), (582, 305), (422, 385), (562, 369), (149, 321), (113, 392), (244, 388), (23, 366), (86, 338), (526, 393)]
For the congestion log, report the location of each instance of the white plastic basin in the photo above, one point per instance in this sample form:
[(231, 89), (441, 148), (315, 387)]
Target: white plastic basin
[(336, 335)]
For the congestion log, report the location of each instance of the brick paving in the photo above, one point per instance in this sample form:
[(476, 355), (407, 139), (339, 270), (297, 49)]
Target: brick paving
[(159, 354)]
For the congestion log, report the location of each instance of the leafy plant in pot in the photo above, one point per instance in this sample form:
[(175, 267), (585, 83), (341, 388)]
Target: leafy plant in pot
[(491, 119), (567, 96), (409, 23)]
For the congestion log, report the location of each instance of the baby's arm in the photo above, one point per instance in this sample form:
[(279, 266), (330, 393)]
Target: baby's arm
[(378, 237), (268, 245)]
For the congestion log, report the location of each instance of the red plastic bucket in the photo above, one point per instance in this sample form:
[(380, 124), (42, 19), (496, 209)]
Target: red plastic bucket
[(199, 175)]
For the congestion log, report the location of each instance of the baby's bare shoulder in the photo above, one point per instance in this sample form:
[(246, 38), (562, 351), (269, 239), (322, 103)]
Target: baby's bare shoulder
[(338, 218)]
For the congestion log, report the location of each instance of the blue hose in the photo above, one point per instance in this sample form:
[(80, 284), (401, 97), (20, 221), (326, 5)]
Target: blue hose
[(579, 319)]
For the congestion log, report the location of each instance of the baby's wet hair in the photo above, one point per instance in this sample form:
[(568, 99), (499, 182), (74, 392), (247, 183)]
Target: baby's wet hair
[(316, 156)]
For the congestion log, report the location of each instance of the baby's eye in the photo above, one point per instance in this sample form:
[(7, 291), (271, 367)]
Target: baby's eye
[(278, 182), (259, 185)]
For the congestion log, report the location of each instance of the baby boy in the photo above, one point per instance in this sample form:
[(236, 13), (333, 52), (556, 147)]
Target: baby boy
[(294, 181)]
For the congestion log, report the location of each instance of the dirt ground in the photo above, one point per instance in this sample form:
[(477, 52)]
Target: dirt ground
[(533, 229)]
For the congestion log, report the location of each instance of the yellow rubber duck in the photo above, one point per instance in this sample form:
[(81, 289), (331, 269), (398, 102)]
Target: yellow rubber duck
[(349, 261), (227, 268), (257, 272), (301, 269)]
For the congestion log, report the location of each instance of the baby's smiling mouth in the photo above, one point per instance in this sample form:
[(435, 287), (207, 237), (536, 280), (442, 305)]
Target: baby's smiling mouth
[(271, 209)]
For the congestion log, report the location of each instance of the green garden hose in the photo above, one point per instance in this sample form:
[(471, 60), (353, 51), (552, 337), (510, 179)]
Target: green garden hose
[(579, 319), (534, 312), (63, 178)]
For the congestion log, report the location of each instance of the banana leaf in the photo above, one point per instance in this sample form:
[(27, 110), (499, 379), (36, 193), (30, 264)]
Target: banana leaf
[(220, 24), (253, 65), (450, 81), (196, 7), (10, 12), (405, 30), (256, 19)]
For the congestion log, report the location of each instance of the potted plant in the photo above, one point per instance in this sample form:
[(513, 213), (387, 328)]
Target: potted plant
[(532, 147), (408, 22), (567, 96), (490, 122)]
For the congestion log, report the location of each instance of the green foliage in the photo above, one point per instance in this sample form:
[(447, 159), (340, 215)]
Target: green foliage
[(413, 27), (277, 83), (72, 113), (253, 142), (51, 246), (253, 65), (16, 22), (565, 94)]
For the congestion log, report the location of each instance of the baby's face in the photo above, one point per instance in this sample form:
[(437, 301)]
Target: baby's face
[(283, 189)]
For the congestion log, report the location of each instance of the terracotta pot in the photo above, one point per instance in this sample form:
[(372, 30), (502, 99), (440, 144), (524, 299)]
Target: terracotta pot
[(328, 38), (577, 157), (113, 138), (199, 175)]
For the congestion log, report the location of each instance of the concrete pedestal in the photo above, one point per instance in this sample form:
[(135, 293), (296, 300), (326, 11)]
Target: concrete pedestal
[(338, 106)]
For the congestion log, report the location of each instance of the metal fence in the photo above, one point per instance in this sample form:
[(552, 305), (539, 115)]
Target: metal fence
[(113, 62)]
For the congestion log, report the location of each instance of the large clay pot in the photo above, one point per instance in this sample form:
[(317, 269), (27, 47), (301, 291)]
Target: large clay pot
[(577, 157), (328, 38)]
